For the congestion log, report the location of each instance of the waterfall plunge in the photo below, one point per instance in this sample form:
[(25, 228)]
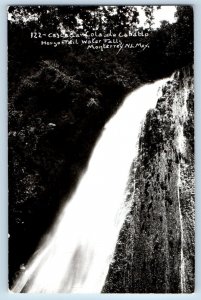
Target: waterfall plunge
[(75, 256)]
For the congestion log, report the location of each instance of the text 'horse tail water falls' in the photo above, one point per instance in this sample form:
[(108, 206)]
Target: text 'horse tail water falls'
[(76, 254)]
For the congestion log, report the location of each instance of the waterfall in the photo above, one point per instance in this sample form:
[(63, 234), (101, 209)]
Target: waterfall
[(75, 255)]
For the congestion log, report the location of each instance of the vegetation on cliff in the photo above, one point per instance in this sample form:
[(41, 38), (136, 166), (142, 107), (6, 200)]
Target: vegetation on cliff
[(155, 251)]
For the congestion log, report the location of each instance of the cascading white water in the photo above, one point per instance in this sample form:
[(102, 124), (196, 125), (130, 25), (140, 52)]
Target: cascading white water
[(76, 254)]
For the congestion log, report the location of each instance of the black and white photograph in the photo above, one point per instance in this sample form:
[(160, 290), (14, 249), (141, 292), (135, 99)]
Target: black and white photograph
[(101, 149)]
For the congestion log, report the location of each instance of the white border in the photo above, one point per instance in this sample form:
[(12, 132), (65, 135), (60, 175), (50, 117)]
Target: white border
[(4, 295)]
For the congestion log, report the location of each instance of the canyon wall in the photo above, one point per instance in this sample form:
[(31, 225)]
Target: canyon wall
[(155, 249)]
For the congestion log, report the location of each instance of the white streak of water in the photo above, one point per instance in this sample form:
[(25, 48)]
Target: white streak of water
[(182, 266), (76, 254), (181, 115)]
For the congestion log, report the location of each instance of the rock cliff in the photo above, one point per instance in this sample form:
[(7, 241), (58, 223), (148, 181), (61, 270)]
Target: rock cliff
[(155, 249)]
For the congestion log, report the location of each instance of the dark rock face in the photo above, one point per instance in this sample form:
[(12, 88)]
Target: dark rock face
[(155, 249)]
